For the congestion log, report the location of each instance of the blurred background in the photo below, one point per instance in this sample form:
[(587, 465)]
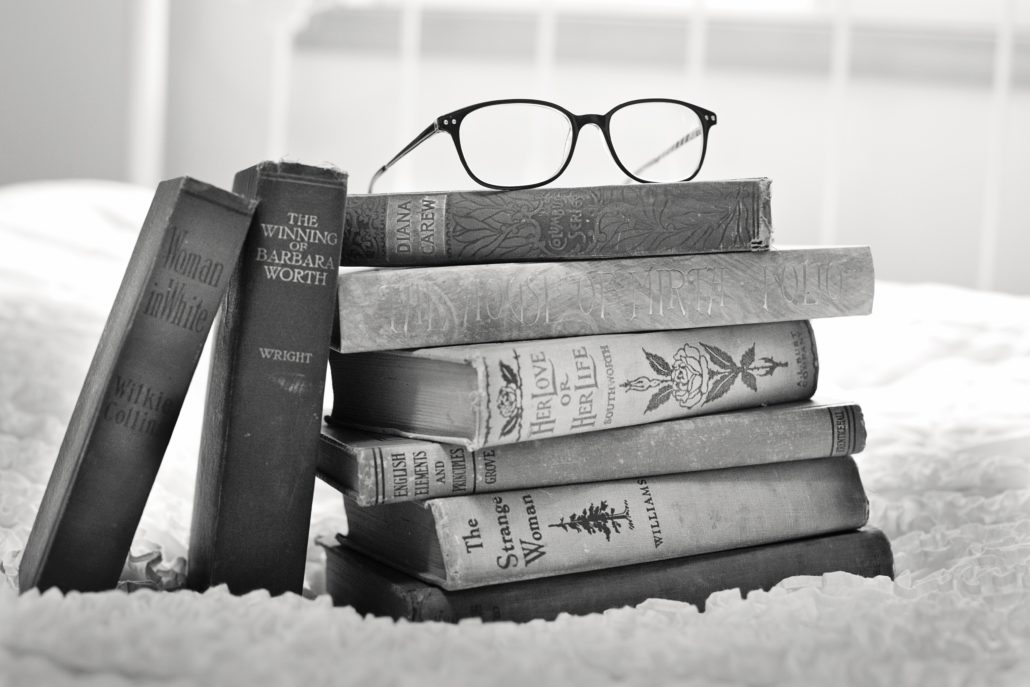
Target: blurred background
[(902, 124)]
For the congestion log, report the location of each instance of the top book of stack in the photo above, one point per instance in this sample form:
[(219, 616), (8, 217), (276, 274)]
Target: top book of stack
[(620, 221)]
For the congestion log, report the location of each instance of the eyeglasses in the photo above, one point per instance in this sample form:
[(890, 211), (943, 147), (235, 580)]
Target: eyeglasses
[(519, 143)]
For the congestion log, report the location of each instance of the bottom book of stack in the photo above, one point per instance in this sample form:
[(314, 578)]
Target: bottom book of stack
[(580, 548), (355, 579)]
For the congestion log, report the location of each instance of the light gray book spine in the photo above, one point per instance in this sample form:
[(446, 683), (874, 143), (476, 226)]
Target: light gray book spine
[(421, 307)]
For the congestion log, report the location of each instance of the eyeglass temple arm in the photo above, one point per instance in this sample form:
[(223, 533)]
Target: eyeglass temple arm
[(426, 133), (690, 136)]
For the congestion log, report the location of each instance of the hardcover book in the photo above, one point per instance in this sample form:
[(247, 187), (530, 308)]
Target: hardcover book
[(472, 541), (259, 443), (353, 579), (626, 220), (378, 468), (135, 386), (492, 394), (383, 309)]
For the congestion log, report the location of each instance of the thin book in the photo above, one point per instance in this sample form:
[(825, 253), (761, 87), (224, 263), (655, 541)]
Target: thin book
[(579, 223), (373, 469)]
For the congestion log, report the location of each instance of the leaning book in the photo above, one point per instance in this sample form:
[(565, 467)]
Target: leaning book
[(255, 474), (135, 386), (470, 541)]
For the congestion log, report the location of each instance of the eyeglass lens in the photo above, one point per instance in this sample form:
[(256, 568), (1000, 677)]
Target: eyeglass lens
[(513, 144), (657, 141)]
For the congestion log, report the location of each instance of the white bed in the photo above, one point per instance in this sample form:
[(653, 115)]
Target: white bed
[(943, 375)]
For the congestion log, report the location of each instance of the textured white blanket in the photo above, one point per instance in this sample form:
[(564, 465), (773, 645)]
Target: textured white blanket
[(943, 375)]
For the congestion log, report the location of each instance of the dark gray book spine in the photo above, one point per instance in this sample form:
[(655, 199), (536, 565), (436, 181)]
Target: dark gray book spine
[(262, 417), (135, 387), (354, 579), (620, 221)]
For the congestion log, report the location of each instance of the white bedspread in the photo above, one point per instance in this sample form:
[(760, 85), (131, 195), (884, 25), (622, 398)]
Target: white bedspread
[(943, 375)]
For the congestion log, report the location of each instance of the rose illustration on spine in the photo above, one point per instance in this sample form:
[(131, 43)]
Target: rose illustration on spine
[(509, 398), (699, 375), (691, 376)]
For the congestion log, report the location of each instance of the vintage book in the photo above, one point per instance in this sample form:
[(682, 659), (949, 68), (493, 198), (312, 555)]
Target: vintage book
[(353, 579), (259, 443), (378, 468), (471, 541), (383, 309), (493, 394), (135, 386), (627, 220)]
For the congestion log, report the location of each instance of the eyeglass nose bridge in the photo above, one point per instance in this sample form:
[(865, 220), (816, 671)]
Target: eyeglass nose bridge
[(595, 119)]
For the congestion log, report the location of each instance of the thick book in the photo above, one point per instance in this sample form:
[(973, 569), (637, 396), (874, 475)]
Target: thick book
[(353, 579), (492, 394), (383, 309), (470, 541), (135, 386), (627, 220), (259, 442), (377, 468)]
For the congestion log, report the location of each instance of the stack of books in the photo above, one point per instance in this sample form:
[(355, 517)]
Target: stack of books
[(568, 399), (577, 399)]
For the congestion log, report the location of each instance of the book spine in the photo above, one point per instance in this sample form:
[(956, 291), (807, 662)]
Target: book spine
[(557, 223), (689, 579), (135, 387), (508, 536), (392, 469), (557, 387), (259, 442), (414, 308)]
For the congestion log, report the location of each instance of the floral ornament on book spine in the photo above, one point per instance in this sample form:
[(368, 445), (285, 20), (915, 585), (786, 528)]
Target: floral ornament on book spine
[(509, 398), (699, 375)]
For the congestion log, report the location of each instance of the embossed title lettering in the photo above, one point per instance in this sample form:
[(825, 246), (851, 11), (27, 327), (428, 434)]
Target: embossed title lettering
[(172, 299), (566, 229), (415, 224), (295, 261), (548, 298), (137, 406), (804, 283)]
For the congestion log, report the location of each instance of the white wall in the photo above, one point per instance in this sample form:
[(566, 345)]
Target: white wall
[(64, 89), (904, 125), (876, 126)]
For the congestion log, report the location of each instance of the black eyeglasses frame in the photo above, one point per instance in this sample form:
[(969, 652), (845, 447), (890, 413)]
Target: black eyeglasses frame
[(450, 123)]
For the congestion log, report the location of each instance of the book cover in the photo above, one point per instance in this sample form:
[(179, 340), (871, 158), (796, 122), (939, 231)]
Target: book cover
[(472, 541), (378, 468), (259, 442), (135, 386), (503, 393), (353, 579), (386, 309), (626, 220)]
